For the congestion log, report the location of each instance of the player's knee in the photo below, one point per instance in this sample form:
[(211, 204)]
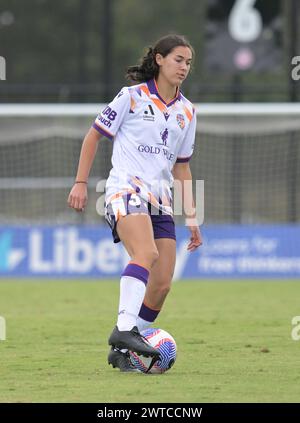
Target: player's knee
[(148, 257), (155, 255), (152, 256)]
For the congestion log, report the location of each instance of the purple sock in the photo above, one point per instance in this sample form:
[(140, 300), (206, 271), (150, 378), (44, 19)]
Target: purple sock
[(148, 313), (136, 271)]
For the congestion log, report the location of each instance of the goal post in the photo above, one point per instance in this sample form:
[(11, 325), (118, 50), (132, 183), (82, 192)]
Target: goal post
[(247, 155)]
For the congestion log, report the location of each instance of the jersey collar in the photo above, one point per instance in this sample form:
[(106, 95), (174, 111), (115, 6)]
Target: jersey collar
[(152, 86)]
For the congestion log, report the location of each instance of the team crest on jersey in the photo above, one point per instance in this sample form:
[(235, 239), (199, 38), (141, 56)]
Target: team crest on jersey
[(180, 121)]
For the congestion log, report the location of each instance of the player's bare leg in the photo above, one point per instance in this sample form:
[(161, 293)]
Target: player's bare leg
[(136, 234), (161, 274)]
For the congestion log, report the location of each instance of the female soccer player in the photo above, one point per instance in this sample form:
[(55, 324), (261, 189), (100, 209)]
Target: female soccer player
[(152, 126)]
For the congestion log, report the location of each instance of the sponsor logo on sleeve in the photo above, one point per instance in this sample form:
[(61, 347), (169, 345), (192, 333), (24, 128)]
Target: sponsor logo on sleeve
[(107, 116)]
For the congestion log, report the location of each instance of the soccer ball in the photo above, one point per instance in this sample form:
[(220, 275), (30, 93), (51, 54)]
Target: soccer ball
[(162, 341)]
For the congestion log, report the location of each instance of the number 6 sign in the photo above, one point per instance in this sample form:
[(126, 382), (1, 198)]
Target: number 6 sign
[(245, 22)]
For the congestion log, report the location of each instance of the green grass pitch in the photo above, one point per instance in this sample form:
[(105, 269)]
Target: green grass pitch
[(234, 343)]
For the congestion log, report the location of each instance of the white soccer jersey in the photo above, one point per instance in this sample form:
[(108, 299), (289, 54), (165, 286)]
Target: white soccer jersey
[(149, 137)]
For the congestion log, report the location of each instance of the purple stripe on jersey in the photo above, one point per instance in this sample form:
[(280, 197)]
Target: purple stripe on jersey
[(152, 87), (137, 272), (102, 131), (183, 159), (148, 314)]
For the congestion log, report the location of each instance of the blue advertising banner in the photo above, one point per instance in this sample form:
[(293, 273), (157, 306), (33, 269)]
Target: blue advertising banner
[(88, 251)]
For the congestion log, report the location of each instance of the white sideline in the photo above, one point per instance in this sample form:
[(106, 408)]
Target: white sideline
[(205, 109)]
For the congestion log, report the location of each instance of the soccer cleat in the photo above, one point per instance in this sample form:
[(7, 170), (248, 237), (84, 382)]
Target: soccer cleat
[(121, 360), (132, 340)]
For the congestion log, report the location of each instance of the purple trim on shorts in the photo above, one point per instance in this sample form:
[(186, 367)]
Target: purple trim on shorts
[(148, 314), (136, 271), (183, 159), (102, 131)]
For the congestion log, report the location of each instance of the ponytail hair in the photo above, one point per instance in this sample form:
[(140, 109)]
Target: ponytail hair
[(148, 68)]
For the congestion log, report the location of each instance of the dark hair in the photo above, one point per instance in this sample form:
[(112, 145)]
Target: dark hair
[(148, 68)]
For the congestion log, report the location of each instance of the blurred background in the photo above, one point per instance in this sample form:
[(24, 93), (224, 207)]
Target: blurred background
[(62, 61), (78, 50)]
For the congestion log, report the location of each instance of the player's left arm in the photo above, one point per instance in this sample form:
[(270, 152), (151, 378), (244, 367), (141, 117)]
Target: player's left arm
[(182, 172)]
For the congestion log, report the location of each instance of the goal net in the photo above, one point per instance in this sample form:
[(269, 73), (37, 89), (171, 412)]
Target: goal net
[(247, 155)]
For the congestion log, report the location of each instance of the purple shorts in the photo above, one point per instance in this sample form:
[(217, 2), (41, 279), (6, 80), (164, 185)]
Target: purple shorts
[(162, 223)]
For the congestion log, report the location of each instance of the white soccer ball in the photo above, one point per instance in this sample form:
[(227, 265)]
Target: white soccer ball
[(162, 341)]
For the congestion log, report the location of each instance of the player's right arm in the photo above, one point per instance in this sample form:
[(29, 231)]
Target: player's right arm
[(78, 196), (107, 124)]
